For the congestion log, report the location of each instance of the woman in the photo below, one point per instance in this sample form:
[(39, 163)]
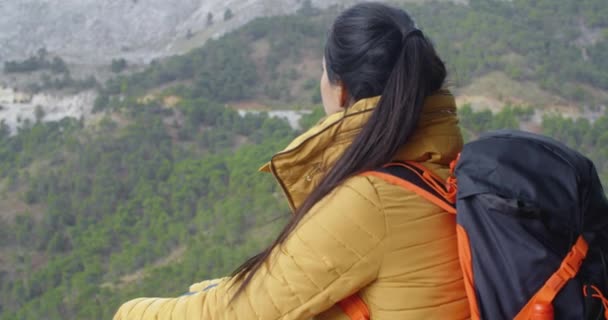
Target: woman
[(382, 88)]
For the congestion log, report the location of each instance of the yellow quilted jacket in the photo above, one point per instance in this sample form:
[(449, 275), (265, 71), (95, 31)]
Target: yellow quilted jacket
[(393, 247)]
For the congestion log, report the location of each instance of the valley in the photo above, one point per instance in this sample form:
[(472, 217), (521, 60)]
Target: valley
[(122, 178)]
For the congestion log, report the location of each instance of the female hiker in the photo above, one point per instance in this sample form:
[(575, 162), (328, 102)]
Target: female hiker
[(352, 233)]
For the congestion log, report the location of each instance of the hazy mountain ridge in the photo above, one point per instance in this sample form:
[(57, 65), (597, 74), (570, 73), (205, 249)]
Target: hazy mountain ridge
[(110, 32), (96, 31)]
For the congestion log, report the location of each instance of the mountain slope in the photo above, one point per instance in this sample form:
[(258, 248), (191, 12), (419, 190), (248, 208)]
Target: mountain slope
[(159, 189), (163, 198), (92, 30), (95, 31), (547, 53), (276, 60)]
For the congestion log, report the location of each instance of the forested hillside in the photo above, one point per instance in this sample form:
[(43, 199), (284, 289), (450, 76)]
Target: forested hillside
[(132, 211), (123, 197), (161, 189), (559, 46)]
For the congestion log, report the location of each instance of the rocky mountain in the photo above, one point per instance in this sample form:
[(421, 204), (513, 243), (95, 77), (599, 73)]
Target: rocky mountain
[(95, 31), (98, 30)]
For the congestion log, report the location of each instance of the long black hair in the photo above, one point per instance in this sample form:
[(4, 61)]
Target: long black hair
[(372, 49)]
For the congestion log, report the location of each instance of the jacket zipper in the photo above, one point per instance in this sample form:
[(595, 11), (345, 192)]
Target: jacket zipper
[(287, 196), (315, 168), (274, 171)]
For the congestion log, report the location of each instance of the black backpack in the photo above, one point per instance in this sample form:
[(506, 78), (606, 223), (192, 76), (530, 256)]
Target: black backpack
[(532, 221)]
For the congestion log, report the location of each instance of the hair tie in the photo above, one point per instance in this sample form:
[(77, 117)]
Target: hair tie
[(412, 32)]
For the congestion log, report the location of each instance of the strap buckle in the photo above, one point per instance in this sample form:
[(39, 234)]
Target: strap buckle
[(567, 270), (571, 264), (573, 261)]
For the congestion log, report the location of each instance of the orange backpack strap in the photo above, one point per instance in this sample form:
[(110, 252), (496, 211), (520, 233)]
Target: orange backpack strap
[(355, 308), (598, 294), (418, 179), (567, 270)]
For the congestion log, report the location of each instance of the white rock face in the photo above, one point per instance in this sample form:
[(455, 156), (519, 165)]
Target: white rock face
[(93, 32), (292, 117), (138, 30), (17, 106)]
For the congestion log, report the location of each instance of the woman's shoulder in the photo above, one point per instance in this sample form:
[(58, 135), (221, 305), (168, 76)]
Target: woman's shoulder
[(392, 190), (355, 194), (378, 188)]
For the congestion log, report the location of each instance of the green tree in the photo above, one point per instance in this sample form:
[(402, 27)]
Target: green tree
[(39, 113), (307, 9), (59, 66), (118, 65), (228, 14), (209, 19)]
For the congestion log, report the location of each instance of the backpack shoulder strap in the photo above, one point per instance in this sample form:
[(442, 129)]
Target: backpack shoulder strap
[(355, 308), (418, 179), (567, 270)]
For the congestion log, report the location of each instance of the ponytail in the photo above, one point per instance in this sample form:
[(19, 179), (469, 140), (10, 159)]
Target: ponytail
[(373, 49)]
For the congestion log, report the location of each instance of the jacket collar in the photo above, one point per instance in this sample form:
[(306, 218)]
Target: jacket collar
[(299, 167)]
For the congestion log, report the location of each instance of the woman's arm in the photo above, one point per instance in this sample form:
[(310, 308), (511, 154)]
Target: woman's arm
[(335, 251)]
